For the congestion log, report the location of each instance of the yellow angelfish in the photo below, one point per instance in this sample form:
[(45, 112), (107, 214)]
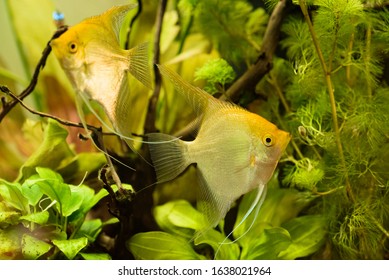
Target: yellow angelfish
[(235, 151), (97, 66)]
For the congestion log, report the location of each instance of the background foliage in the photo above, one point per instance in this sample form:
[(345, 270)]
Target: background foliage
[(328, 86)]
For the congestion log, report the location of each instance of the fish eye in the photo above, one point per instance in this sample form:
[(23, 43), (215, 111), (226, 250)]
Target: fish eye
[(268, 140), (73, 47)]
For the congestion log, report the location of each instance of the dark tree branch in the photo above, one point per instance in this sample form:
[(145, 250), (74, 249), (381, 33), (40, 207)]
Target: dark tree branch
[(151, 112), (264, 63), (7, 106), (127, 44)]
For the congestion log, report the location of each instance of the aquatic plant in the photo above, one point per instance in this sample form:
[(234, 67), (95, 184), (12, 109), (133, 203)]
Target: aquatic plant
[(318, 69)]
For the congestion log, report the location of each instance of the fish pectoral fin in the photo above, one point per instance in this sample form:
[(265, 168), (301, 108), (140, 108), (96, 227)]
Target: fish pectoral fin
[(214, 206), (139, 64), (168, 154)]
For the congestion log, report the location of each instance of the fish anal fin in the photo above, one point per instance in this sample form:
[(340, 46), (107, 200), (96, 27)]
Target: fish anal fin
[(139, 64), (214, 206), (169, 156)]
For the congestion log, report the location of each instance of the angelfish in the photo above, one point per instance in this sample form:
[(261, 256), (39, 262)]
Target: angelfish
[(96, 65), (235, 151)]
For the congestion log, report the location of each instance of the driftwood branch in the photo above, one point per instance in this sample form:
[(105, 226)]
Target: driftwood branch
[(7, 106), (139, 11), (264, 62), (151, 112)]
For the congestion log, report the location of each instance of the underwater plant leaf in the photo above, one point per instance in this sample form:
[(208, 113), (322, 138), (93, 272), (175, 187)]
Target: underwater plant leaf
[(81, 165), (308, 235), (96, 256), (158, 245), (11, 192), (40, 218), (87, 199), (33, 248), (51, 184), (51, 153), (217, 73), (31, 190), (90, 229), (224, 28), (267, 245), (8, 216), (10, 248), (280, 205), (223, 249), (177, 216), (170, 29), (71, 247)]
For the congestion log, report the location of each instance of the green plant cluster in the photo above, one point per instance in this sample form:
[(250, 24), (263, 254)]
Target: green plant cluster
[(328, 86), (275, 227), (43, 217)]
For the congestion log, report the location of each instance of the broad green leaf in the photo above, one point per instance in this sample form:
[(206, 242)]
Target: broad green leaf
[(32, 191), (56, 191), (10, 240), (90, 229), (51, 153), (81, 164), (8, 216), (280, 205), (48, 174), (224, 249), (71, 247), (111, 221), (158, 245), (12, 194), (96, 256), (40, 218), (51, 184), (33, 248), (178, 216), (308, 235), (267, 245), (88, 200)]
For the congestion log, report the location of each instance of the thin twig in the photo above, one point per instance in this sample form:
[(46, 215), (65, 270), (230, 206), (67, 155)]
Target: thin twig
[(264, 63), (7, 106), (151, 112), (17, 99)]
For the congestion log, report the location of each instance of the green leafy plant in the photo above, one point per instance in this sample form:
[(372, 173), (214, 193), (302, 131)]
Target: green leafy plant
[(52, 215), (218, 73), (273, 234), (317, 69), (46, 216)]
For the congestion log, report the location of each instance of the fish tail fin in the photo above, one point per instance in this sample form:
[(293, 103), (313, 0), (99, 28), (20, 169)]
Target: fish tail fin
[(139, 64), (169, 156)]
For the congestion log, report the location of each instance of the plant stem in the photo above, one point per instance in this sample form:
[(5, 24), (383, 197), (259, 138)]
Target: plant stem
[(367, 61), (348, 67), (139, 11), (330, 89)]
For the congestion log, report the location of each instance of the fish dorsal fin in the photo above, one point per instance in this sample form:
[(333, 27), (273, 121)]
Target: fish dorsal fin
[(114, 17), (196, 97)]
